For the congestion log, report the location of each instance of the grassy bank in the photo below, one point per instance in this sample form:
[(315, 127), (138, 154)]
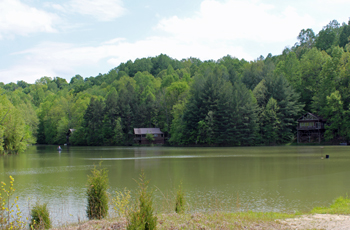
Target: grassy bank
[(220, 220), (217, 220)]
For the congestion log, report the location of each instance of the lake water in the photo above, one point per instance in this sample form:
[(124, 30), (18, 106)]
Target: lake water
[(284, 179)]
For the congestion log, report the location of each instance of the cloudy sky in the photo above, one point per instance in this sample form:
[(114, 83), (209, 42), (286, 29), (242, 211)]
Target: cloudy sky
[(87, 37)]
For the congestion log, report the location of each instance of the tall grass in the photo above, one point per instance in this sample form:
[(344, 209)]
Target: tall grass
[(180, 205)]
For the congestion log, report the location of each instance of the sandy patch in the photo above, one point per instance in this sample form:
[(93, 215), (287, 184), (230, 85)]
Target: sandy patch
[(318, 221)]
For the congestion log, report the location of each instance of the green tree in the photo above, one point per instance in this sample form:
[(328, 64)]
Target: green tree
[(142, 217), (307, 38), (335, 117), (328, 36), (15, 135), (310, 68), (271, 123), (289, 107), (110, 118), (93, 122), (344, 35)]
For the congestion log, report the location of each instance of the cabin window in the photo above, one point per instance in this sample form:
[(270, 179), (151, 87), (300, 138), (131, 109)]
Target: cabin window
[(143, 135), (307, 124), (155, 135), (161, 135)]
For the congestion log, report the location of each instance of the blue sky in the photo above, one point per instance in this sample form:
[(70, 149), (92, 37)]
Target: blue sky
[(87, 37)]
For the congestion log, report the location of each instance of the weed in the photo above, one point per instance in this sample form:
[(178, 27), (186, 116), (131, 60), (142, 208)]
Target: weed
[(10, 213), (40, 217), (180, 200), (121, 202)]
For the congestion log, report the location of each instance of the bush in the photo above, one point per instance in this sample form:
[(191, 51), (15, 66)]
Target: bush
[(180, 201), (97, 194), (149, 137), (142, 217), (40, 217)]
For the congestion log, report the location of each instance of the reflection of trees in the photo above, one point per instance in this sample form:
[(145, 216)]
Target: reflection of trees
[(147, 153)]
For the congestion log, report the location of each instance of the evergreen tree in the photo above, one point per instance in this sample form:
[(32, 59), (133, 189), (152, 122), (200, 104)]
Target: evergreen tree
[(110, 117), (270, 122), (288, 104), (93, 122)]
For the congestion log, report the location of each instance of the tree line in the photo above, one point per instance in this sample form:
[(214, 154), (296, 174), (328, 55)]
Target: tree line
[(227, 102)]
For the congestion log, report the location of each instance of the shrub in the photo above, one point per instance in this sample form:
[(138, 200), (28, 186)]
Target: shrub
[(142, 216), (40, 217), (10, 214), (97, 194), (180, 200), (149, 137)]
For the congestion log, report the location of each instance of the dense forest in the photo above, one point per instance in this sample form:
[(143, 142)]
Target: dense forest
[(228, 102)]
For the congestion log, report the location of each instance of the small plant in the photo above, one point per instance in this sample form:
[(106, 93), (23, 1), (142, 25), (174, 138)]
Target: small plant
[(40, 217), (97, 194), (149, 137), (142, 217), (10, 214), (121, 202), (180, 200)]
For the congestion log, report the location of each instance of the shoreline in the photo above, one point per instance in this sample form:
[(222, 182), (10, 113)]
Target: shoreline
[(218, 220)]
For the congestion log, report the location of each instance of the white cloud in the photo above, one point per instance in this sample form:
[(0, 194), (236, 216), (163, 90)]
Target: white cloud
[(102, 10), (237, 19), (17, 18), (244, 29), (65, 60)]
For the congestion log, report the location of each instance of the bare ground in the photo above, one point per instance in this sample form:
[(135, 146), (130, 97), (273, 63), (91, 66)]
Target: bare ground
[(316, 221), (319, 221)]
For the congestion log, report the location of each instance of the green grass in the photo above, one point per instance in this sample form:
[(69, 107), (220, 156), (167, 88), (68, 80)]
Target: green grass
[(340, 206), (221, 220)]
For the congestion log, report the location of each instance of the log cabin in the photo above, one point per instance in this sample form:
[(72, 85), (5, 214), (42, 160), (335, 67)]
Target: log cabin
[(140, 136), (310, 129)]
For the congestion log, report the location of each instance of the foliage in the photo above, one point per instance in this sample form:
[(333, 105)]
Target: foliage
[(142, 216), (121, 202), (15, 134), (10, 214), (40, 217), (214, 103), (97, 196), (341, 205), (149, 137), (180, 206)]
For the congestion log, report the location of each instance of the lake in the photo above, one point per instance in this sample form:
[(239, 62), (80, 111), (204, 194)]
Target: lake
[(282, 179)]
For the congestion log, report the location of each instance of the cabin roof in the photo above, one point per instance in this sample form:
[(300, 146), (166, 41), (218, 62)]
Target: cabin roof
[(311, 117), (147, 130)]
